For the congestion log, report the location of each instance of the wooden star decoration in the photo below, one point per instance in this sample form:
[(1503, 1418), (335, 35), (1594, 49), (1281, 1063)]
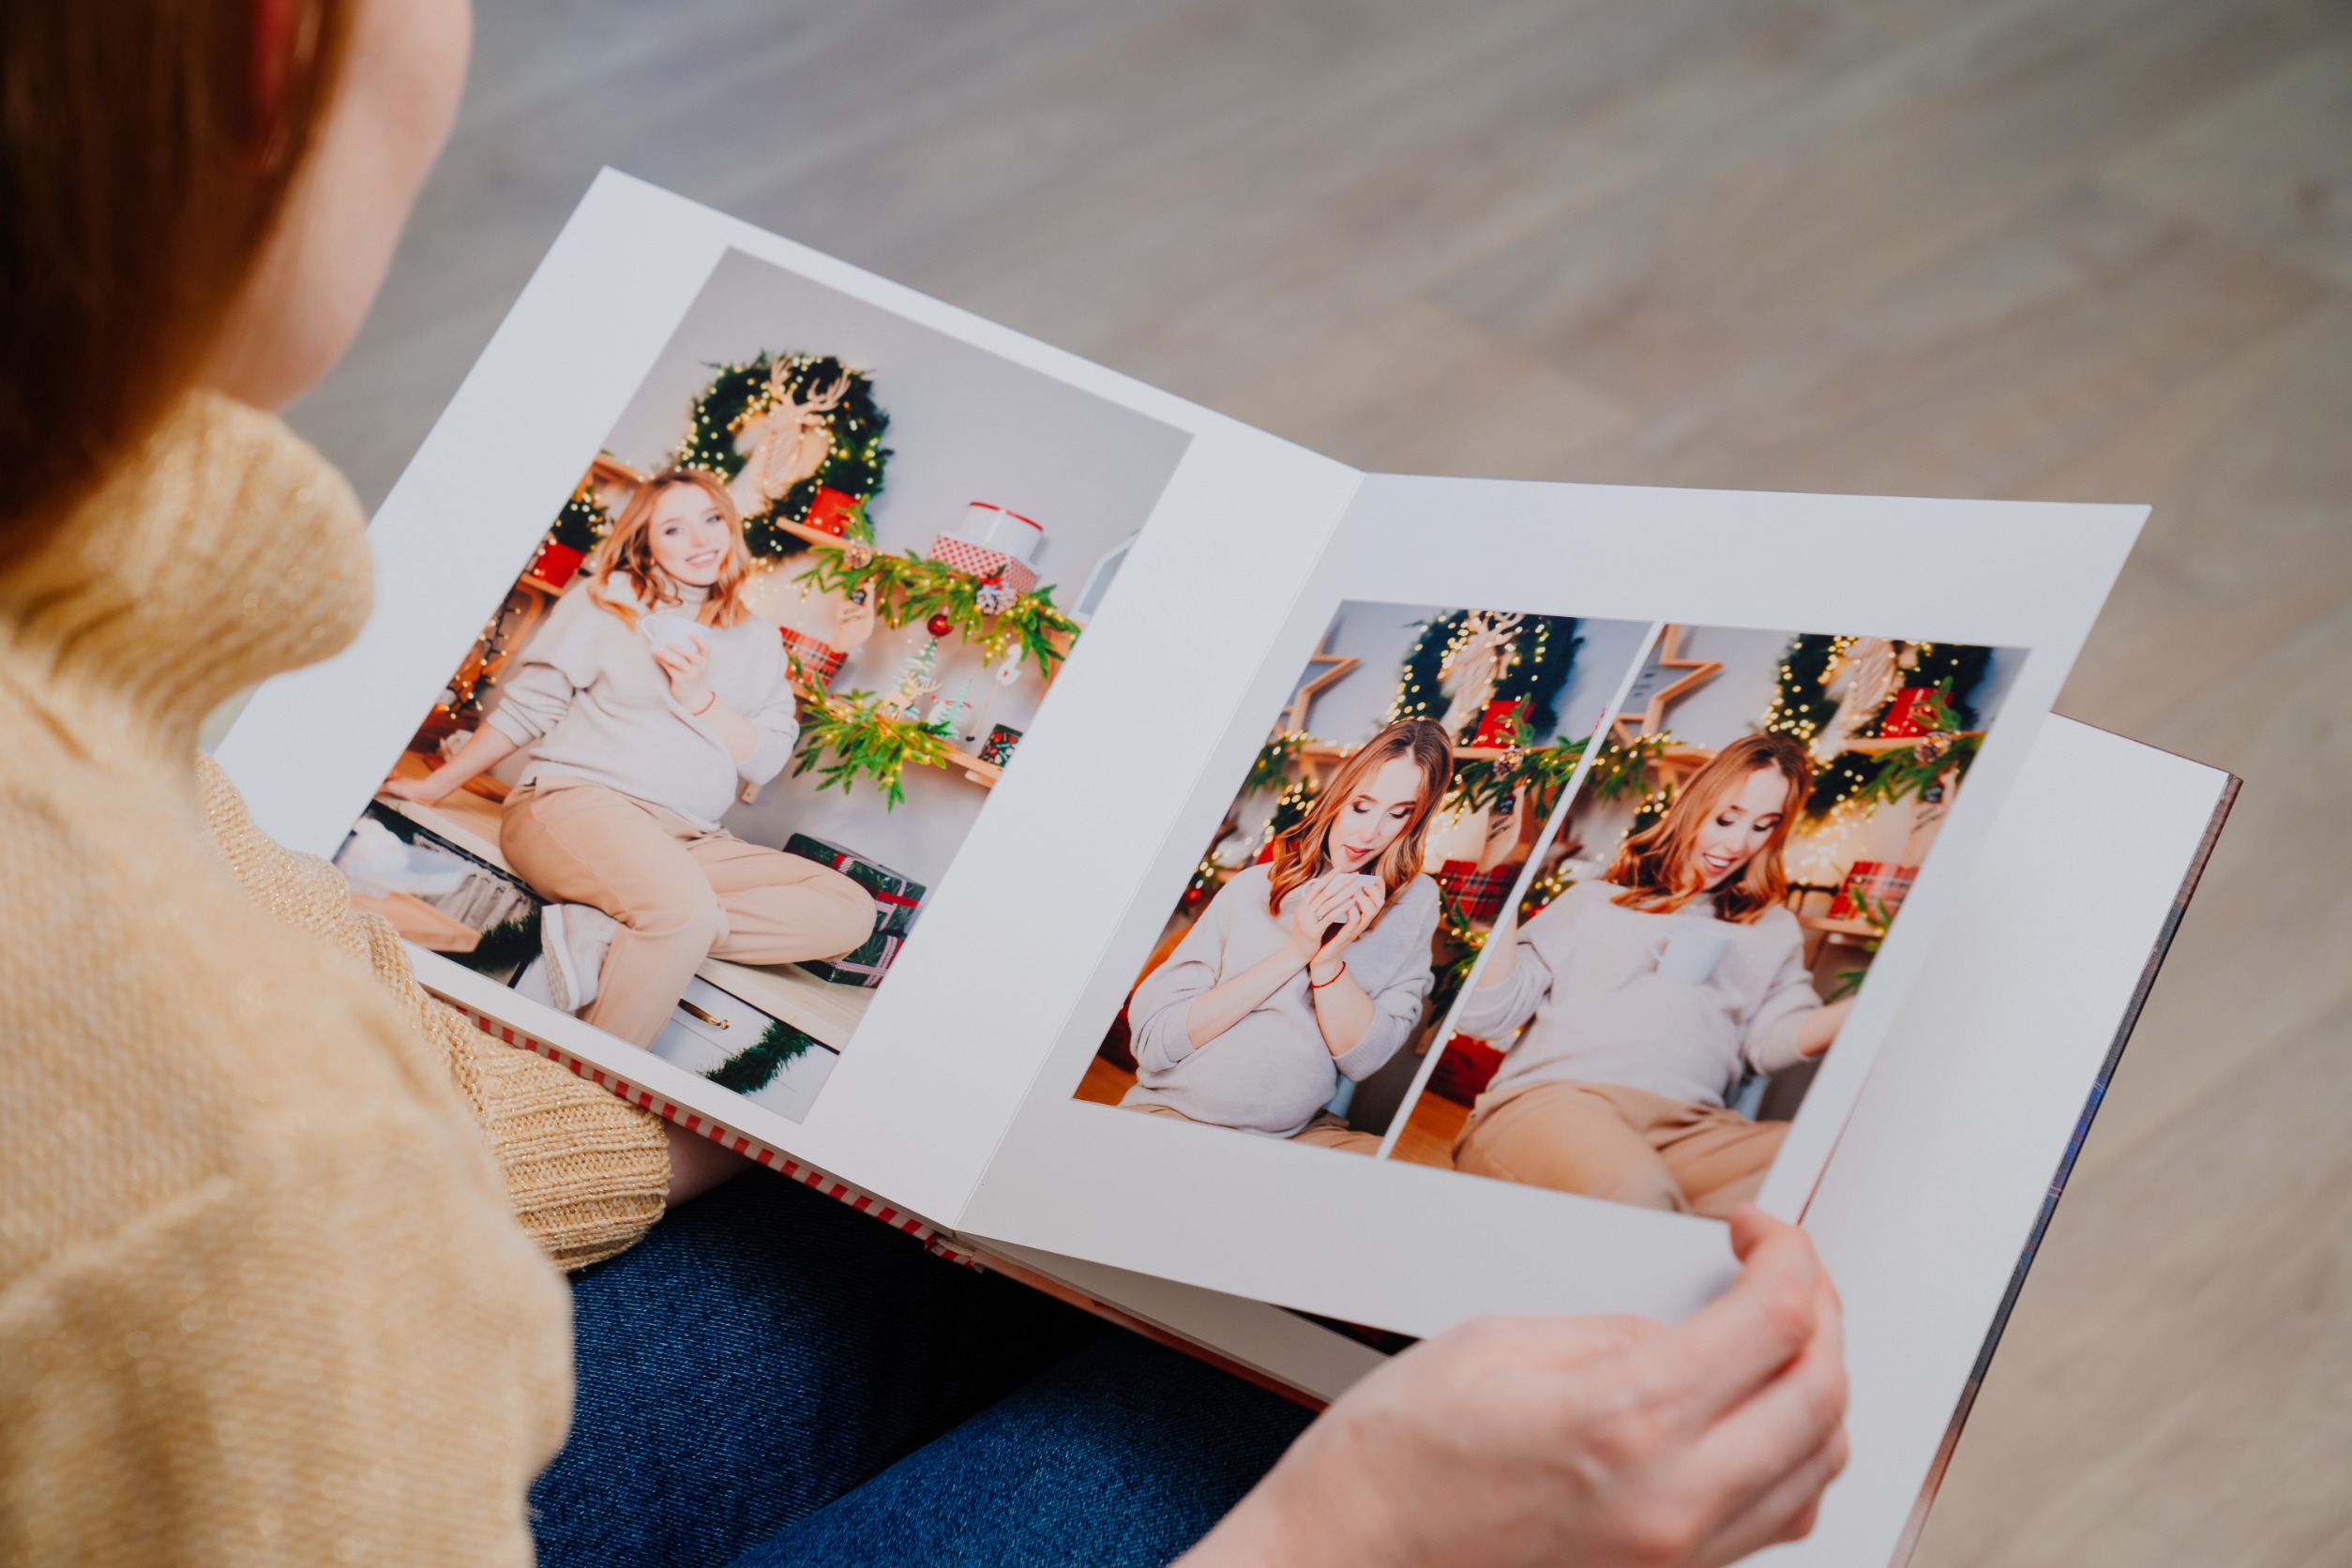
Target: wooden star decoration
[(1335, 668), (1656, 692)]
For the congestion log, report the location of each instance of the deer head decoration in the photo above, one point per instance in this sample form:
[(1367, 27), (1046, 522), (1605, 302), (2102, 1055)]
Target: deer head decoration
[(794, 436)]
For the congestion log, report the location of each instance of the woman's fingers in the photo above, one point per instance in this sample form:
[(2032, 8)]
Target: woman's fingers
[(1739, 1343)]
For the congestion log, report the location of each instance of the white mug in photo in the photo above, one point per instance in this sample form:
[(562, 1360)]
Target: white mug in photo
[(1688, 951)]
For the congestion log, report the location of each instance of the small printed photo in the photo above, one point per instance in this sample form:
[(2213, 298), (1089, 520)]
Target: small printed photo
[(1293, 990), (752, 683), (1645, 1021)]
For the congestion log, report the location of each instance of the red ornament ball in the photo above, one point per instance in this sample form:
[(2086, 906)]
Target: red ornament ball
[(938, 624)]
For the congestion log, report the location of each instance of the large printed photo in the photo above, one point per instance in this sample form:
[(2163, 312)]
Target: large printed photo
[(750, 690)]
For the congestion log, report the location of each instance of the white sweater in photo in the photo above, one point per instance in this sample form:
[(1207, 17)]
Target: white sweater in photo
[(586, 696), (1586, 974), (1272, 1071)]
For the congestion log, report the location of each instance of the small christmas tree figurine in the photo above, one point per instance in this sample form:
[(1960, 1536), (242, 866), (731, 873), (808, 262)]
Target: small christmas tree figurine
[(949, 713), (918, 681)]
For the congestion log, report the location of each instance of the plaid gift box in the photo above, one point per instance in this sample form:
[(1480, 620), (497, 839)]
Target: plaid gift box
[(981, 561), (865, 967), (1883, 882), (818, 660), (1478, 894), (1465, 1070), (896, 896)]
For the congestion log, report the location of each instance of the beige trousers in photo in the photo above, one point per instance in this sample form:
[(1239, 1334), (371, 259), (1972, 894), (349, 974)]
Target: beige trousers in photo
[(1325, 1132), (681, 895), (1607, 1141)]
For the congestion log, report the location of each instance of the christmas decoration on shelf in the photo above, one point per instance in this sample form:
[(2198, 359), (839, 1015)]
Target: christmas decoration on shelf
[(918, 681), (855, 736), (998, 749), (755, 1066), (906, 588), (579, 526), (812, 426), (938, 624), (1464, 660), (1923, 687), (1872, 884), (1664, 681), (993, 545), (1335, 668), (811, 664), (1279, 763)]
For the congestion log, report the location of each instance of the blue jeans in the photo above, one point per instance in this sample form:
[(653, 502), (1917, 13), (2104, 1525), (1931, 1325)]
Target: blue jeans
[(771, 1378)]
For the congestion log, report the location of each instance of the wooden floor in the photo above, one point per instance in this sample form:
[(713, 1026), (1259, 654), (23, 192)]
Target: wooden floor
[(2067, 248)]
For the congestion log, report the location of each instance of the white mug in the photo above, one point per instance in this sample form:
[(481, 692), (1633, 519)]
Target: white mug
[(1687, 951), (670, 631)]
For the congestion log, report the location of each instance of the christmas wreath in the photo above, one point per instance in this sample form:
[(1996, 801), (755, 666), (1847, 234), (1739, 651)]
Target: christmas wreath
[(1802, 704), (826, 395), (1541, 648)]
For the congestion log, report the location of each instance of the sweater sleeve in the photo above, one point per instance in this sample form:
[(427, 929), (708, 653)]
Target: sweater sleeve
[(1492, 1012), (1397, 1005), (1769, 1043), (554, 665), (586, 1173), (1156, 1013), (776, 720)]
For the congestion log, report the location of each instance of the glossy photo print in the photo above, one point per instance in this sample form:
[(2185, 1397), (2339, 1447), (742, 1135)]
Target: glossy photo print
[(1336, 907), (1644, 1019), (746, 697)]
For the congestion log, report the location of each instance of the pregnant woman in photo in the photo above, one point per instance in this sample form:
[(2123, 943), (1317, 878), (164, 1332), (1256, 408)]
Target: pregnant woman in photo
[(649, 697), (1652, 994), (1307, 968)]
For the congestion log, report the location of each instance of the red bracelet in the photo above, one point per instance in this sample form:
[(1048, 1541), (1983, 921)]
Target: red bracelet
[(707, 706), (1313, 985)]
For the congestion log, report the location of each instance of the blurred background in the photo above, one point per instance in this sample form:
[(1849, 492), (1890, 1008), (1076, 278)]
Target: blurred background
[(2094, 250)]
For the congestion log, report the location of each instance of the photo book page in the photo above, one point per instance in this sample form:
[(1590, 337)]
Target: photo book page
[(1093, 824)]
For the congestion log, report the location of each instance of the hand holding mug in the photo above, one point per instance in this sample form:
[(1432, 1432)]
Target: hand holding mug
[(687, 663), (1357, 907)]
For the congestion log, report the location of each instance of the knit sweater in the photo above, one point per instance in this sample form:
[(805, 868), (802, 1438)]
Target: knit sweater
[(589, 700), (1612, 1002), (263, 1294), (1273, 1071)]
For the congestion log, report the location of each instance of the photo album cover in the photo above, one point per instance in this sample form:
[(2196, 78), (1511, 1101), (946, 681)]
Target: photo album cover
[(1090, 824)]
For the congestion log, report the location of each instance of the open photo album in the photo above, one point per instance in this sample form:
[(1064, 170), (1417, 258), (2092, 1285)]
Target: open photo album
[(1126, 846)]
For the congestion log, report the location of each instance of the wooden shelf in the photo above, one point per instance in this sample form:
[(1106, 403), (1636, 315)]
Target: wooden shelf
[(1878, 745)]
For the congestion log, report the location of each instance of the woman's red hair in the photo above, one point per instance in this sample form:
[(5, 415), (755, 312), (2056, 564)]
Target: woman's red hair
[(1658, 868), (1303, 853)]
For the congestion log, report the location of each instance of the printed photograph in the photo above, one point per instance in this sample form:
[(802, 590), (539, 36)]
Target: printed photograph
[(1336, 907), (749, 691), (1644, 1022)]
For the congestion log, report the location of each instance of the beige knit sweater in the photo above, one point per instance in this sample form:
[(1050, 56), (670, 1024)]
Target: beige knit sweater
[(264, 1297)]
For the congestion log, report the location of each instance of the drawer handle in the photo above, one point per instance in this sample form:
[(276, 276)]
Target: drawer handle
[(715, 1023)]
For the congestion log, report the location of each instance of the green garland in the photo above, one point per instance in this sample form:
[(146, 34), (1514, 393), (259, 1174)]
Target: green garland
[(848, 737), (740, 394), (909, 587), (1542, 648), (1278, 763), (755, 1066), (1801, 706)]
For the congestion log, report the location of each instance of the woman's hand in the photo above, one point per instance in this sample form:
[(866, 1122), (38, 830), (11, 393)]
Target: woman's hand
[(689, 668), (431, 789), (1818, 1032), (1604, 1443), (1356, 908), (1321, 903)]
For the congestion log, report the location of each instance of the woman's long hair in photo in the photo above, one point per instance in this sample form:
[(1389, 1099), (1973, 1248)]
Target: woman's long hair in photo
[(1658, 868), (146, 148), (1303, 851), (627, 552)]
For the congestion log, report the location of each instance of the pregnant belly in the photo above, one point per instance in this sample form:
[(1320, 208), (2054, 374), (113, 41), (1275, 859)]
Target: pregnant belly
[(1261, 1074)]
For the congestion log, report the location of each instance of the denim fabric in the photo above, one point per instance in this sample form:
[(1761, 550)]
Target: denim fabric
[(772, 1373)]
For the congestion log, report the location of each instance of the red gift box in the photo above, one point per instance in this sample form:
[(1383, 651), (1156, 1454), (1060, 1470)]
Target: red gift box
[(1883, 882), (1479, 895), (983, 562), (835, 512), (820, 661), (1498, 725), (555, 564), (1913, 712), (1465, 1070)]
